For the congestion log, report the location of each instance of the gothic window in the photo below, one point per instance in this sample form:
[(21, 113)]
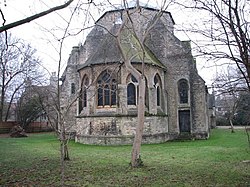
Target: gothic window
[(73, 88), (106, 89), (183, 91), (84, 97), (83, 93), (85, 85), (158, 96), (131, 94), (157, 85), (132, 90)]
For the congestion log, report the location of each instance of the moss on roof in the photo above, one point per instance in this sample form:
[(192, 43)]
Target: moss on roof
[(133, 49), (109, 52)]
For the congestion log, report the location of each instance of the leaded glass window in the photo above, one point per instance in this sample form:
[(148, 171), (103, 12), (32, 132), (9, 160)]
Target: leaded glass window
[(157, 84), (132, 90), (106, 91)]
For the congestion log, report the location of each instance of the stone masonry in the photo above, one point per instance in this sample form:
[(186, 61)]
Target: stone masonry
[(105, 111)]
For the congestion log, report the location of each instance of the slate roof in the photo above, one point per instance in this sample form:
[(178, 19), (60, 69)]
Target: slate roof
[(108, 52)]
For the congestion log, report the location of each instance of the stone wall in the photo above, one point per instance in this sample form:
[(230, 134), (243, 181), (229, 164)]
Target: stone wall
[(122, 74), (116, 124), (124, 140), (120, 129), (70, 89)]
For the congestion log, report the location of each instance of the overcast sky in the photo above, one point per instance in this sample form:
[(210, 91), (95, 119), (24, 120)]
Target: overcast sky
[(43, 33)]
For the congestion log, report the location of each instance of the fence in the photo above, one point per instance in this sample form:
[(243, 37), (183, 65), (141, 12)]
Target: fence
[(5, 127)]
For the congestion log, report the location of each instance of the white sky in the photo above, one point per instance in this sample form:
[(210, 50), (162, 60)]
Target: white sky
[(39, 33)]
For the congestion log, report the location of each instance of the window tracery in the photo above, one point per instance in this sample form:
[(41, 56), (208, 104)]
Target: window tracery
[(157, 85), (132, 90), (106, 89)]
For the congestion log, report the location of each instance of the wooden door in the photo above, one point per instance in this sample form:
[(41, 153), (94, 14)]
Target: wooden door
[(184, 121)]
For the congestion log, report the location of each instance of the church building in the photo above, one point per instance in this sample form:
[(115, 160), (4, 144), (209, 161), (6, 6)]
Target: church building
[(105, 92)]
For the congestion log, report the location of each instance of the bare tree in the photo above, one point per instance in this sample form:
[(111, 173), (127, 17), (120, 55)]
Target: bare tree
[(233, 101), (230, 87), (58, 109), (18, 63), (52, 104), (29, 106), (224, 31), (129, 35)]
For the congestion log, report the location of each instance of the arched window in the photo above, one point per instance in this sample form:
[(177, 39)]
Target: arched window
[(183, 91), (158, 96), (131, 94), (83, 93), (106, 92), (157, 85), (132, 90)]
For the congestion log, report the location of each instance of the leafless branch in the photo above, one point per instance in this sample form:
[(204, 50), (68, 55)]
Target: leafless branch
[(33, 17)]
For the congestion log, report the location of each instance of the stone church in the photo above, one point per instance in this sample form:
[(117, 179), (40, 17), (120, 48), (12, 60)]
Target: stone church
[(106, 93)]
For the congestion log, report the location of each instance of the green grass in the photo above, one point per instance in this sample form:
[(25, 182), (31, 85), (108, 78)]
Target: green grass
[(34, 161)]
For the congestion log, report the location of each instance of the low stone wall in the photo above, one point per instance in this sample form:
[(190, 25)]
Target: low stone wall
[(120, 130), (146, 139), (124, 140), (119, 125)]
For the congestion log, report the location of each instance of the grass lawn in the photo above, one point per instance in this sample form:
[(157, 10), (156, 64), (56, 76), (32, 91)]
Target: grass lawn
[(219, 161)]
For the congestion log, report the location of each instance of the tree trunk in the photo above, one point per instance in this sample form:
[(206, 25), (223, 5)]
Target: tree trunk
[(62, 160), (2, 93), (66, 151), (2, 106), (248, 75), (136, 159), (231, 124), (63, 149), (248, 136)]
